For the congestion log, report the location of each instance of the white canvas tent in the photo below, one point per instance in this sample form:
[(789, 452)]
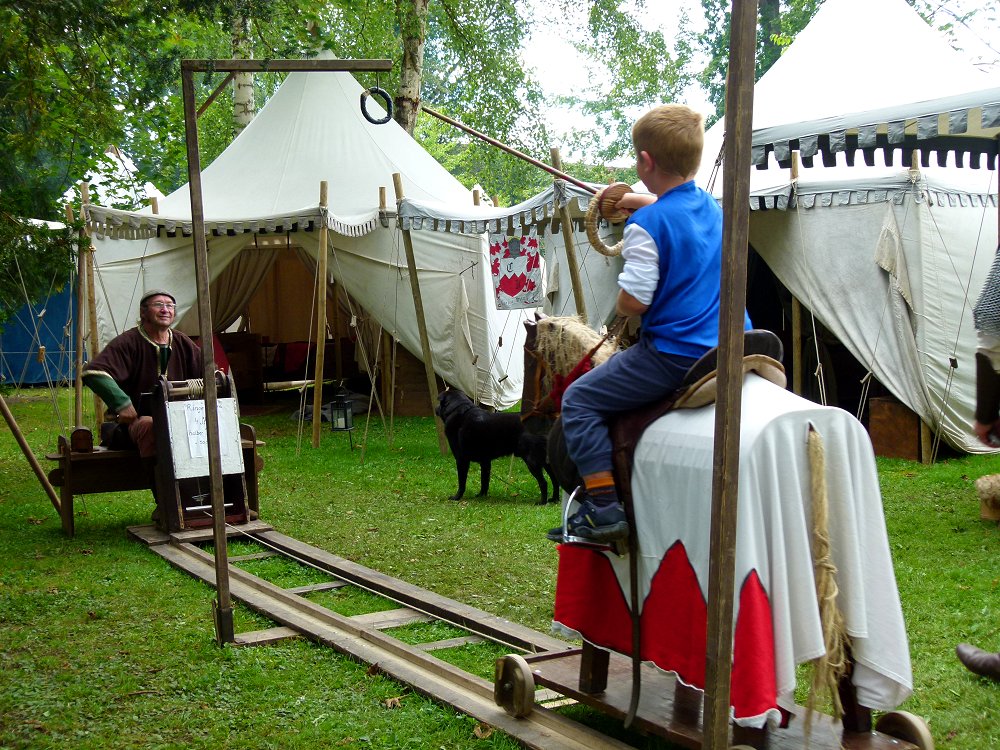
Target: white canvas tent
[(266, 185), (889, 259)]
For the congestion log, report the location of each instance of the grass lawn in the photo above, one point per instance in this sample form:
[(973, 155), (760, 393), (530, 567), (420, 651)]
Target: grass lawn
[(102, 644)]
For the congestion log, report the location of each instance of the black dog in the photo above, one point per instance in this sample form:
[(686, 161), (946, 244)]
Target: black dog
[(479, 436)]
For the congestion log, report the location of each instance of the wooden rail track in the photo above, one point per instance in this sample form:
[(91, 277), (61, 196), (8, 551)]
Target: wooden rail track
[(361, 638), (536, 659)]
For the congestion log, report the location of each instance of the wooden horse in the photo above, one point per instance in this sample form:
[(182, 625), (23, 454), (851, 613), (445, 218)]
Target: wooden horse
[(778, 417)]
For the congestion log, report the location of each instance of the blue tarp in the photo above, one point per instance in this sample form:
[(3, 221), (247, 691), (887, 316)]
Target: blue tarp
[(50, 324)]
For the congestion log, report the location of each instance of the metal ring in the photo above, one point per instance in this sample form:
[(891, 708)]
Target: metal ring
[(387, 105)]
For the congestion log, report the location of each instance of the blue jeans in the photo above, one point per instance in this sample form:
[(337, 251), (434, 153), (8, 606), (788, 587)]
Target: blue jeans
[(631, 378)]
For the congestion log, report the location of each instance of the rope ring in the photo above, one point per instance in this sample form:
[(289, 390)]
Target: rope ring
[(386, 104), (590, 224)]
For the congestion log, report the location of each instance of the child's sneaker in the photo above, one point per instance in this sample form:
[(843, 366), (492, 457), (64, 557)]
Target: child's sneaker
[(593, 523)]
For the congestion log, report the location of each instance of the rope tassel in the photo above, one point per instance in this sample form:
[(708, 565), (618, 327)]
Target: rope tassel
[(830, 668)]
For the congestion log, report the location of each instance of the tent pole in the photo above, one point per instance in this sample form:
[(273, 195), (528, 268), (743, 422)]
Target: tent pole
[(222, 609), (317, 421), (81, 271), (418, 306), (567, 233), (504, 147), (338, 356), (385, 341), (726, 454), (796, 309), (796, 346), (91, 299)]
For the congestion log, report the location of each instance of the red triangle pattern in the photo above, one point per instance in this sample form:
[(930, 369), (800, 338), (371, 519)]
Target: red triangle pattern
[(590, 600)]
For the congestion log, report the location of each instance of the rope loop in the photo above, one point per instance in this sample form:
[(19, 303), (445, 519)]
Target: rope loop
[(386, 105), (591, 223)]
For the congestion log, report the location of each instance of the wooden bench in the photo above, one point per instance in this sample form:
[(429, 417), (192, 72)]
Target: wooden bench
[(99, 469)]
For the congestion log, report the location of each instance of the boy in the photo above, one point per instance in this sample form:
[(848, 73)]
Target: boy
[(673, 264)]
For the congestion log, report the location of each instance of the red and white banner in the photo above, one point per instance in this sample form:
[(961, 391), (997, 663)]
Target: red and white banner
[(516, 265)]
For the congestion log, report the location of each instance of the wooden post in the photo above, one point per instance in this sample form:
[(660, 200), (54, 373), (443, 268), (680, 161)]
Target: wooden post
[(571, 261), (725, 483), (335, 325), (796, 346), (387, 376), (926, 443), (91, 301), (317, 421), (796, 311), (418, 307), (222, 607), (81, 272)]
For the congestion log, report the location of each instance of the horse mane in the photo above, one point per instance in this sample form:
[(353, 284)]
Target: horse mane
[(562, 341)]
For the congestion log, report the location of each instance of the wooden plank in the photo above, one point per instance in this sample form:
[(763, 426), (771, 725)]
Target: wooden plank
[(199, 536), (148, 534), (462, 640), (324, 586), (284, 66), (660, 707), (254, 556), (266, 637), (391, 618)]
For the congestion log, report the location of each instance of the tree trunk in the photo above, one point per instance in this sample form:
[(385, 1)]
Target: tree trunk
[(244, 107), (412, 17), (770, 26)]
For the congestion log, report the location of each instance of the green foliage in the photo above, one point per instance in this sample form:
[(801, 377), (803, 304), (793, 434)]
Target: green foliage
[(779, 22), (35, 261), (640, 68)]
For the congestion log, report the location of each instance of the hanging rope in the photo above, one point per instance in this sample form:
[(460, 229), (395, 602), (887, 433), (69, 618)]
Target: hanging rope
[(829, 669)]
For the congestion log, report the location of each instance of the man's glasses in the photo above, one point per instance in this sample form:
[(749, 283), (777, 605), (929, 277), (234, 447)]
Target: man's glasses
[(163, 305)]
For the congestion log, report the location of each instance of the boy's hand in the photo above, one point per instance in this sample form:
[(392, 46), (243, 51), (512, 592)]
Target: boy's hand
[(631, 202)]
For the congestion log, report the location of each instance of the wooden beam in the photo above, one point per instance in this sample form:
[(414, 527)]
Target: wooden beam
[(81, 273), (222, 609), (512, 151), (321, 273), (283, 66), (571, 260), (91, 301), (725, 484), (796, 346), (418, 307), (212, 97)]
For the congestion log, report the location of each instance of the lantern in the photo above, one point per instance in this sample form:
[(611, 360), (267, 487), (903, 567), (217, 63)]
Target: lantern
[(342, 416)]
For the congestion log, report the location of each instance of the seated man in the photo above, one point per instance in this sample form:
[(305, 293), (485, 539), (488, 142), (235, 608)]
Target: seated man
[(132, 363)]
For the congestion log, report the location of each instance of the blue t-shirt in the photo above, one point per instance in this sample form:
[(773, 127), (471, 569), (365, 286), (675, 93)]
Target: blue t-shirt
[(686, 225)]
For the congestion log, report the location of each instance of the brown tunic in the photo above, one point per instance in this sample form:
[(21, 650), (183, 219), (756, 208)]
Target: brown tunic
[(133, 362)]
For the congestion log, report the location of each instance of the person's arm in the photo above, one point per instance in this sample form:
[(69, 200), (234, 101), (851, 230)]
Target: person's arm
[(109, 392), (628, 305), (641, 273), (632, 202)]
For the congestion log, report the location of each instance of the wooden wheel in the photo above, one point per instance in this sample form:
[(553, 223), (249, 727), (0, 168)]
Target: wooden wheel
[(907, 727), (514, 686)]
